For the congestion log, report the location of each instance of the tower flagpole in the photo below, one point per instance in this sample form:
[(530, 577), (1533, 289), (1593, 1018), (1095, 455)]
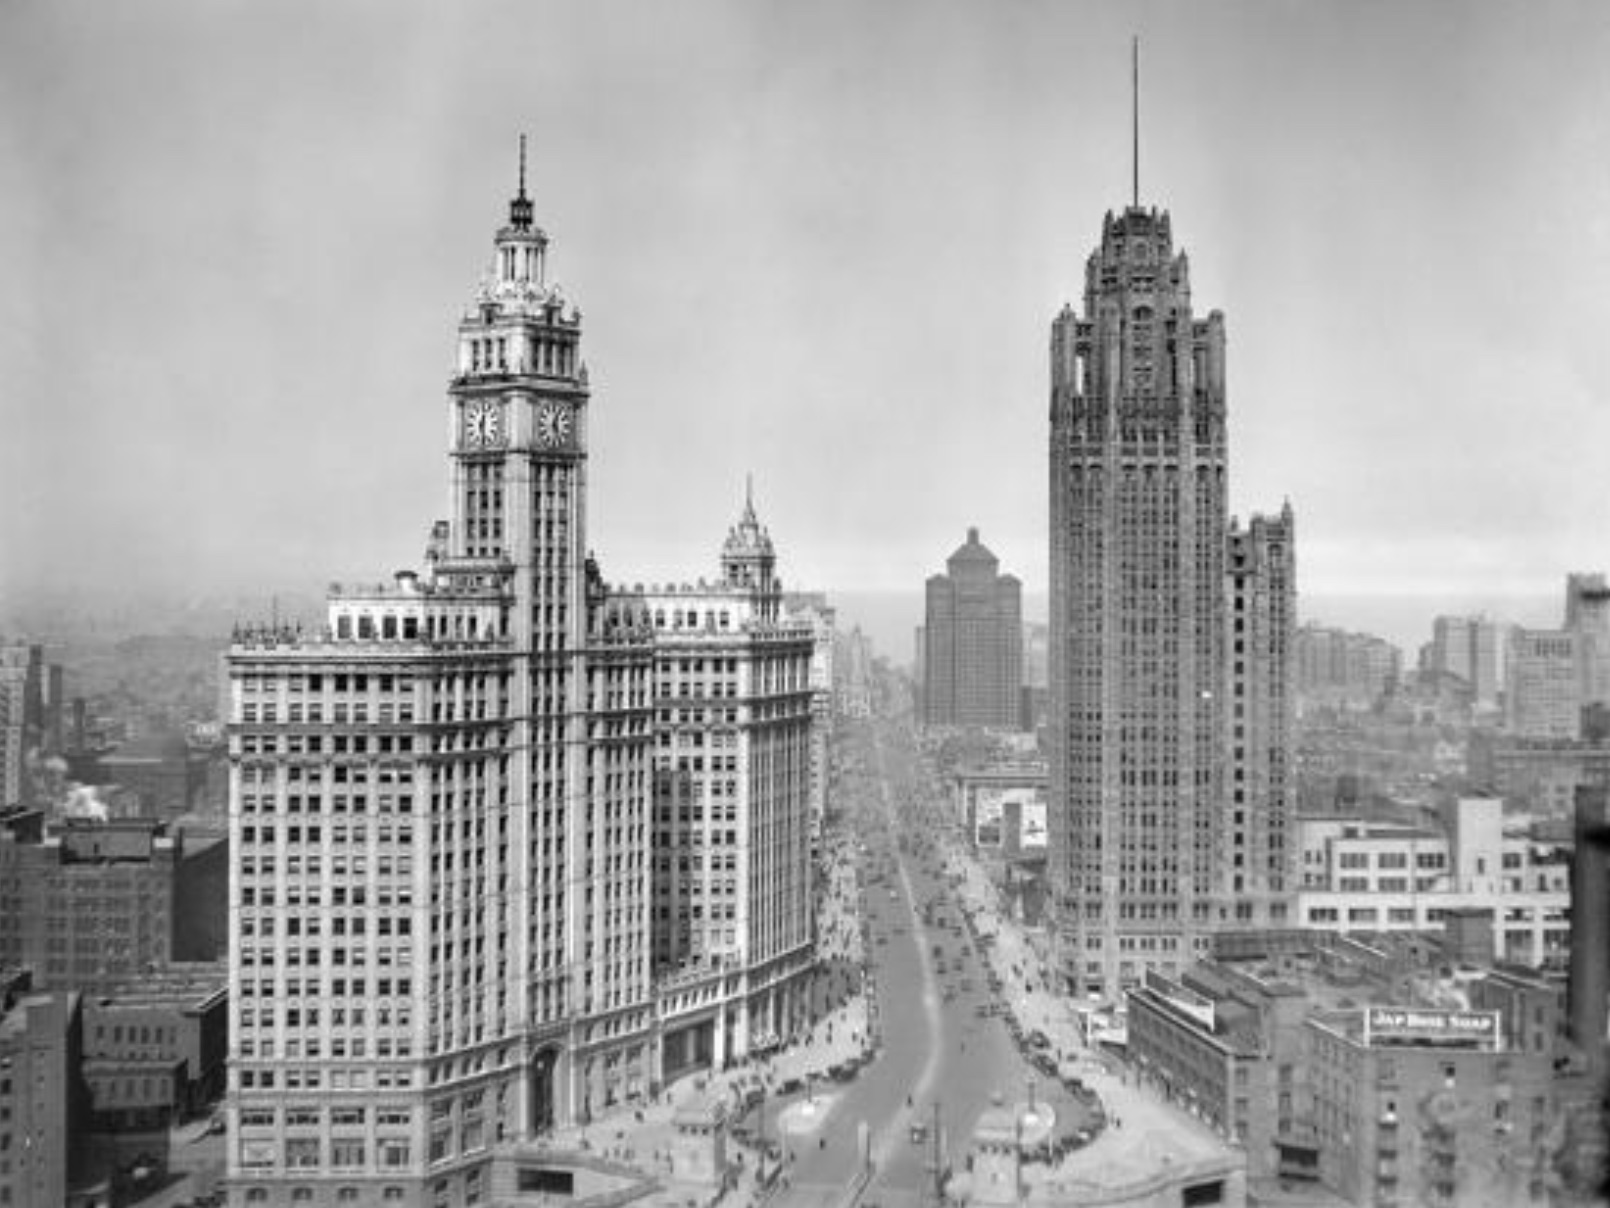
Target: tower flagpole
[(1134, 111)]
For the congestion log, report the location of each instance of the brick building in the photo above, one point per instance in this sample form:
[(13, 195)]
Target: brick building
[(86, 904), (40, 1109), (1326, 1063)]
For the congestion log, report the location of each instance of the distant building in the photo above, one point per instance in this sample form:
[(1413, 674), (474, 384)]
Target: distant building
[(813, 608), (1035, 709), (1344, 670), (1036, 655), (1543, 697), (22, 687), (1587, 617), (973, 642), (1472, 649), (853, 674), (164, 770)]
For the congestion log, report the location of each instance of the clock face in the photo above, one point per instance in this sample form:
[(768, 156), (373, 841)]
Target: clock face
[(483, 424), (553, 425)]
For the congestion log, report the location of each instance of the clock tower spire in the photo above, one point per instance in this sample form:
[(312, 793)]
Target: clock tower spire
[(518, 396), (520, 206)]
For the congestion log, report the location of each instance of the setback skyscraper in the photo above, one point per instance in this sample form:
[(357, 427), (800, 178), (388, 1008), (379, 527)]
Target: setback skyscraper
[(972, 673)]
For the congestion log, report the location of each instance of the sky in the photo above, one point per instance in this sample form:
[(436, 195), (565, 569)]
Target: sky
[(819, 243)]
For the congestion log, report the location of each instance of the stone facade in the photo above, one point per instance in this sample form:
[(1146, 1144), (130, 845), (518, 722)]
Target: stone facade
[(442, 811), (1145, 578)]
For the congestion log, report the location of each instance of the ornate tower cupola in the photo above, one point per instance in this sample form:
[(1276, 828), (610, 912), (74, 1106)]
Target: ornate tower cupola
[(748, 558), (522, 246), (520, 324)]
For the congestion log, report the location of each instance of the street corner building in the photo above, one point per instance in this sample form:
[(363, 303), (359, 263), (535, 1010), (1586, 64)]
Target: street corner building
[(1172, 633), (511, 846)]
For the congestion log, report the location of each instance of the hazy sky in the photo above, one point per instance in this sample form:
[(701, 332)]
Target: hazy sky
[(819, 242)]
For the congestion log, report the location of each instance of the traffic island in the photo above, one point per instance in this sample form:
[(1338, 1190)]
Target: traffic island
[(806, 1117)]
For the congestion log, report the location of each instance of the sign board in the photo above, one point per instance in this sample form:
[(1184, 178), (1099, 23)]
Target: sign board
[(1032, 828), (988, 809), (1430, 1026), (1183, 1000)]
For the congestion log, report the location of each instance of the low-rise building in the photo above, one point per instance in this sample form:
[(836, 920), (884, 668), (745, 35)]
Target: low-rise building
[(1365, 876), (155, 1049), (1428, 1107), (1341, 1065)]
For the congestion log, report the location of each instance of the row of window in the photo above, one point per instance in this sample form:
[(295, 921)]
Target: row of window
[(337, 987), (356, 682), (298, 1078), (340, 834), (385, 894), (313, 866), (381, 956), (315, 1117)]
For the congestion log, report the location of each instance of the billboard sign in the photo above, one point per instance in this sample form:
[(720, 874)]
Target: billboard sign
[(1032, 828), (1431, 1026), (989, 807)]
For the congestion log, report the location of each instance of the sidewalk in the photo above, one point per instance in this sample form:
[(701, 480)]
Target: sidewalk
[(642, 1137), (1141, 1134)]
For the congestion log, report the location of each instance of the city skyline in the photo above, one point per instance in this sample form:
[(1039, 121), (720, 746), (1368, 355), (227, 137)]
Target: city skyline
[(756, 188)]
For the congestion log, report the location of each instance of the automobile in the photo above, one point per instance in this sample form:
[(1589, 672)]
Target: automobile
[(919, 1132), (217, 1125)]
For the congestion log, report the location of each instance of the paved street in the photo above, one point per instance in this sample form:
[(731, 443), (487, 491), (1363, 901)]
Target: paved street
[(937, 1044)]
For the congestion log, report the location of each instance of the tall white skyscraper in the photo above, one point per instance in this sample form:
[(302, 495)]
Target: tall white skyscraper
[(441, 813)]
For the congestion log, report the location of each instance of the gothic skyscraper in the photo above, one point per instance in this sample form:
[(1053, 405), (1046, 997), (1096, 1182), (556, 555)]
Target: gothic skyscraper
[(1138, 542)]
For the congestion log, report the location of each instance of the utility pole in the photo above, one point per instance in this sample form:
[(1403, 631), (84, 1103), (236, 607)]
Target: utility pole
[(939, 1149)]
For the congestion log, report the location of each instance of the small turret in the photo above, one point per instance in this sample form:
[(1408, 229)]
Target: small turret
[(748, 558)]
